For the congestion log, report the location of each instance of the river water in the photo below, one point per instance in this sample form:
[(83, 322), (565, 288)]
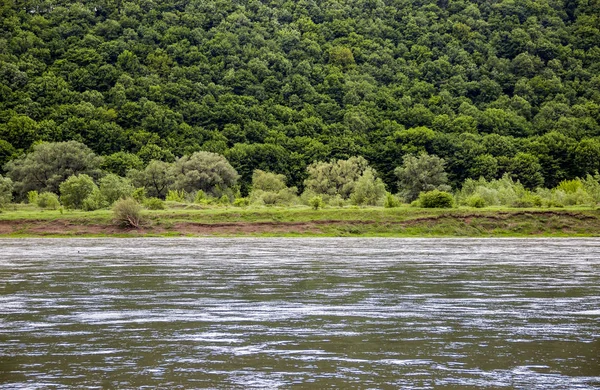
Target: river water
[(300, 313)]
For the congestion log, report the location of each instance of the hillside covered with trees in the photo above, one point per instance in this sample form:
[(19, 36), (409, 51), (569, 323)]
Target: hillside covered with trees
[(497, 89)]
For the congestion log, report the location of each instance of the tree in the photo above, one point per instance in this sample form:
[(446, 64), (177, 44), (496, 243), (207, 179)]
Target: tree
[(368, 190), (267, 181), (527, 169), (206, 171), (156, 178), (75, 189), (121, 162), (113, 188), (6, 188), (421, 173), (49, 164), (337, 177)]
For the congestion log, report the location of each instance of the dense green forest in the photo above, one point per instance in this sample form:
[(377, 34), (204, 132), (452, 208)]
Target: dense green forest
[(492, 87)]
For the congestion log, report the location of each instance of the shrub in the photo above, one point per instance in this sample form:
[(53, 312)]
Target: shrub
[(113, 188), (391, 201), (316, 202), (476, 201), (436, 199), (368, 190), (75, 189), (139, 194), (241, 202), (267, 181), (6, 188), (176, 196), (200, 197), (32, 197), (224, 200), (94, 201), (337, 201), (127, 213), (154, 204), (48, 200)]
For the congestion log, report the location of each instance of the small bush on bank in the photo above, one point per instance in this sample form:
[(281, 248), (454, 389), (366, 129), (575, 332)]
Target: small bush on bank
[(391, 201), (32, 197), (241, 202), (154, 204), (127, 213), (476, 201), (48, 200), (316, 202), (436, 199)]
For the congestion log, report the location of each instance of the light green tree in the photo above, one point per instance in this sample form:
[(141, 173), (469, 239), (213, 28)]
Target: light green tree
[(421, 173)]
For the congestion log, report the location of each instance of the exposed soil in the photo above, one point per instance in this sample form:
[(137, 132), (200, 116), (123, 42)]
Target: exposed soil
[(570, 222)]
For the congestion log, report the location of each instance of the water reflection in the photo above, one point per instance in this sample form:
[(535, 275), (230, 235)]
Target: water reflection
[(301, 313)]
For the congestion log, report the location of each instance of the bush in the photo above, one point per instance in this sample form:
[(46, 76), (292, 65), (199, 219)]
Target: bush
[(32, 197), (154, 204), (241, 202), (368, 190), (127, 213), (75, 189), (436, 199), (113, 188), (6, 188), (316, 202), (391, 201), (176, 196), (48, 200), (201, 197), (224, 200), (139, 194), (94, 201), (476, 201)]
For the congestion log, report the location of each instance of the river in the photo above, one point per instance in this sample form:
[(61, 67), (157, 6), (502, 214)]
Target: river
[(300, 313)]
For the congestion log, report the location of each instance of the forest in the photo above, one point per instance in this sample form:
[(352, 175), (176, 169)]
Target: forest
[(503, 91)]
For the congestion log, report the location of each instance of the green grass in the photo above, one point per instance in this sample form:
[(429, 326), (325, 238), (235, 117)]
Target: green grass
[(300, 221)]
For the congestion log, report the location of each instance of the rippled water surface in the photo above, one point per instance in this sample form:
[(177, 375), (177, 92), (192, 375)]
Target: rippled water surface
[(300, 313)]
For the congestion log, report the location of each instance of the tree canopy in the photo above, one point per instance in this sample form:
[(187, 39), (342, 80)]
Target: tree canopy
[(491, 87)]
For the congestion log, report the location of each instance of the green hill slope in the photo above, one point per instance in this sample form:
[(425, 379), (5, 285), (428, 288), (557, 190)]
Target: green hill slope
[(490, 86)]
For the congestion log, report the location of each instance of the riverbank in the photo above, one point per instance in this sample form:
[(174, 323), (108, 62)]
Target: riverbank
[(26, 221)]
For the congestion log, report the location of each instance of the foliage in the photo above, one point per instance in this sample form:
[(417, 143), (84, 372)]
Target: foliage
[(95, 200), (421, 173), (391, 201), (436, 199), (337, 177), (241, 202), (154, 204), (6, 189), (368, 190), (113, 187), (139, 194), (270, 189), (127, 213), (49, 164), (75, 189), (176, 196), (156, 178), (492, 88), (476, 201), (32, 197), (206, 171), (267, 181), (48, 200), (316, 202)]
